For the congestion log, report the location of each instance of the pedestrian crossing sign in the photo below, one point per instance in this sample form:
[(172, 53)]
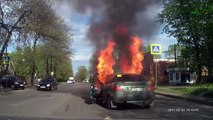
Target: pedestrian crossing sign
[(155, 49), (6, 59)]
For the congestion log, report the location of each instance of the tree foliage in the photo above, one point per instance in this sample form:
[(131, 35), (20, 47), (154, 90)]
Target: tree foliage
[(42, 39), (81, 74), (190, 22), (170, 53), (22, 60)]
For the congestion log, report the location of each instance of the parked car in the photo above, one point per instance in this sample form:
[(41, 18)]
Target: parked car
[(70, 81), (123, 88), (47, 84), (9, 81)]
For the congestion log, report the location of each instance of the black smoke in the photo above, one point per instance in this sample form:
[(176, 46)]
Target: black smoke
[(119, 20)]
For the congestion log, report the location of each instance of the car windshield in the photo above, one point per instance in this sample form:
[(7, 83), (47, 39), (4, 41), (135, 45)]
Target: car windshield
[(47, 80), (106, 59), (14, 78)]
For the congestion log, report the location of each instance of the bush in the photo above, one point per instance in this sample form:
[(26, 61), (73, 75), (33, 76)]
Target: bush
[(208, 93), (198, 91)]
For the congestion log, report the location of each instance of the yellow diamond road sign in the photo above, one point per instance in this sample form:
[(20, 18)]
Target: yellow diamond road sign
[(155, 49)]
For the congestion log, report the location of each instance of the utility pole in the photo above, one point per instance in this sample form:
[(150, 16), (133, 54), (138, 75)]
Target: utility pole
[(156, 73)]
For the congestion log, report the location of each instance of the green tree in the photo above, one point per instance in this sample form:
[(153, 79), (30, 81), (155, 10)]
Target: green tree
[(21, 59), (12, 15), (43, 40), (187, 20), (170, 53), (82, 74)]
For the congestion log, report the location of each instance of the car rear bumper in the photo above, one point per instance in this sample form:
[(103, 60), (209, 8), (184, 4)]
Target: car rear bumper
[(19, 86), (44, 88), (121, 98)]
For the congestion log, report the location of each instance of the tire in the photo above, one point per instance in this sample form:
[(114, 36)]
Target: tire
[(51, 89), (1, 87), (93, 100), (148, 105), (56, 88), (110, 104), (23, 88), (13, 87)]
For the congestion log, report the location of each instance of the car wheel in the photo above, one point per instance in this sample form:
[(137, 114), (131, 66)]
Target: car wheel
[(93, 100), (13, 87), (1, 87), (56, 88), (51, 88), (23, 88), (110, 104), (148, 105), (38, 89)]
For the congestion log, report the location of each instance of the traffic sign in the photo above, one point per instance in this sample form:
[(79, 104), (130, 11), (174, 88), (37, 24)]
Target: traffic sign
[(52, 73), (6, 60), (155, 49)]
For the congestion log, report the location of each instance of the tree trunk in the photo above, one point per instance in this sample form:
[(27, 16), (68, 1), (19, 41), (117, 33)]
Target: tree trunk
[(210, 77), (33, 74), (197, 58), (55, 70), (51, 64), (47, 66), (33, 61)]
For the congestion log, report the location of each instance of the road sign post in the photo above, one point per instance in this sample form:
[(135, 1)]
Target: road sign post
[(6, 61), (155, 49)]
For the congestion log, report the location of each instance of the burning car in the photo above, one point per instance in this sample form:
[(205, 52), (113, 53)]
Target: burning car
[(123, 88)]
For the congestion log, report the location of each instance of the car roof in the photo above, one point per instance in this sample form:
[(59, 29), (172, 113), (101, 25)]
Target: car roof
[(126, 74)]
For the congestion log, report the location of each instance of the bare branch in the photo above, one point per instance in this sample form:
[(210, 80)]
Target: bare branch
[(26, 13), (5, 26), (2, 13)]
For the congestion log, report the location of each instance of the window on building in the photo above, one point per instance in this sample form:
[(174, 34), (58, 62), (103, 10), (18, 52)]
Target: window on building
[(170, 76), (177, 76)]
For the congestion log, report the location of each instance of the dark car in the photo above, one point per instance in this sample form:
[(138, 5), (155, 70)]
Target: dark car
[(9, 81), (124, 88), (47, 84)]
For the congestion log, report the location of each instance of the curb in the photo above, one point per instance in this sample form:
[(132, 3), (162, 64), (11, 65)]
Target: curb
[(204, 101)]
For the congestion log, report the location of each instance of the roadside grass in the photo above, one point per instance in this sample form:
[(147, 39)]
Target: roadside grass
[(204, 90)]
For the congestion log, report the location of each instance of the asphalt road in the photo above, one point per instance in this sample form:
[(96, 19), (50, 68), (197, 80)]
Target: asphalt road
[(71, 101)]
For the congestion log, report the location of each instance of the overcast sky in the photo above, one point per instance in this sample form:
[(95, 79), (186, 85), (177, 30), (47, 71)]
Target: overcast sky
[(80, 22)]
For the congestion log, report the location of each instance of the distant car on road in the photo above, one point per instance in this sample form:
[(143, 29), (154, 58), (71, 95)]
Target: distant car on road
[(9, 81), (70, 81), (123, 88), (47, 84)]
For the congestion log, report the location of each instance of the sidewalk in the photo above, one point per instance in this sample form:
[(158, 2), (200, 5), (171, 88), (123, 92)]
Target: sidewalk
[(195, 99)]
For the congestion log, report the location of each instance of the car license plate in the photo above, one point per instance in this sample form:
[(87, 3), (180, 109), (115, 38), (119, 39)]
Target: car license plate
[(21, 85), (42, 86), (137, 89)]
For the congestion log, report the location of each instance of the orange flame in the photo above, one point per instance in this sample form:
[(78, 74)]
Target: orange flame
[(105, 62), (135, 65)]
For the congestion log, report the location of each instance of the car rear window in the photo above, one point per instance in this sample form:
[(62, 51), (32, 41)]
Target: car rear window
[(131, 78), (14, 78), (47, 80)]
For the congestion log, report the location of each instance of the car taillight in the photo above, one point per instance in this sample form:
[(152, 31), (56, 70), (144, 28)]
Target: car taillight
[(151, 88), (118, 88), (95, 87)]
